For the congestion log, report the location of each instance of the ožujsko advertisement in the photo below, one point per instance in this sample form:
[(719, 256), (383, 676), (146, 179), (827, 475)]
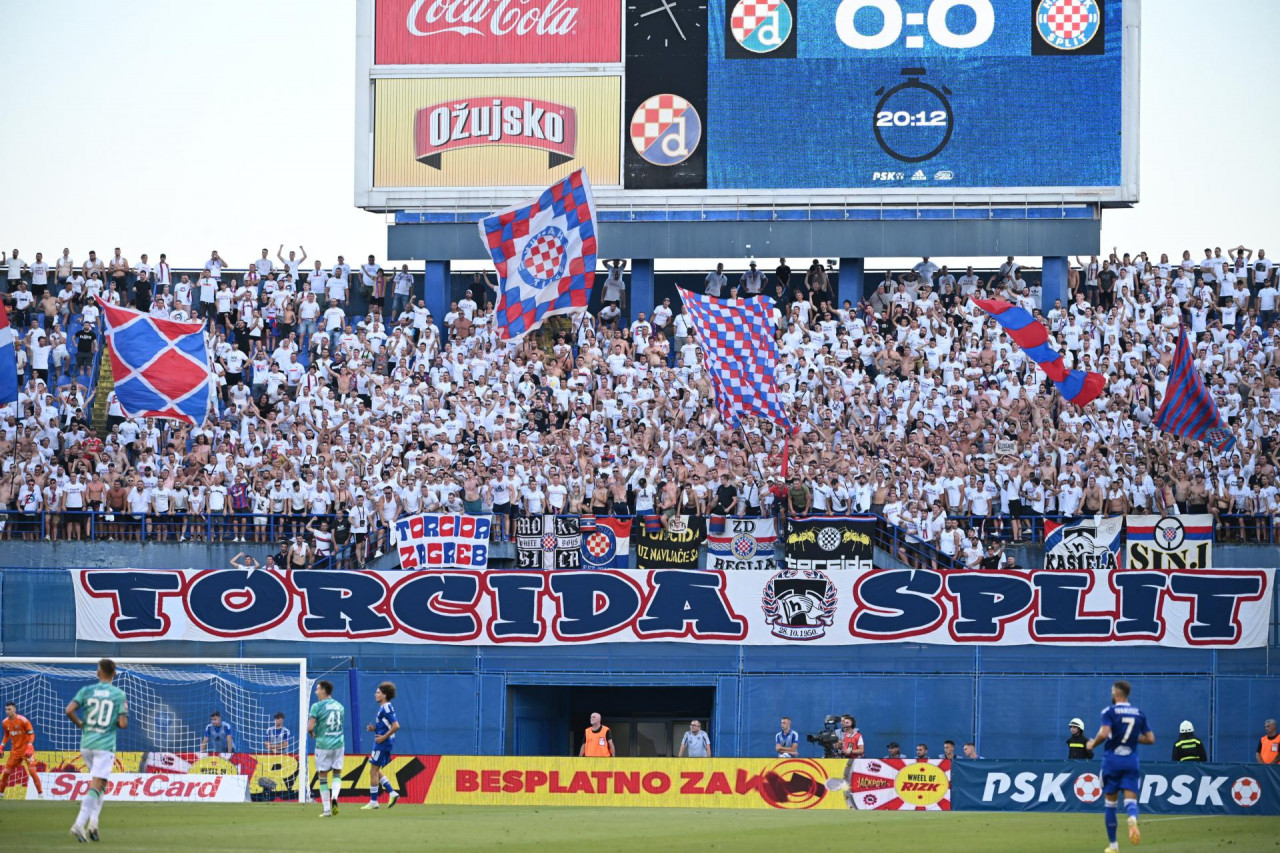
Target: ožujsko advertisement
[(496, 131)]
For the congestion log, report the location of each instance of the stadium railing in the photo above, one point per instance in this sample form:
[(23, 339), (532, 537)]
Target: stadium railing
[(271, 528), (1240, 528)]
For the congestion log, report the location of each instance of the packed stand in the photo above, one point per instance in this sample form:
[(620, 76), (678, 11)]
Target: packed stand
[(331, 423)]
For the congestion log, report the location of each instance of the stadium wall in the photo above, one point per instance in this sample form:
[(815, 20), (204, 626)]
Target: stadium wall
[(1013, 701)]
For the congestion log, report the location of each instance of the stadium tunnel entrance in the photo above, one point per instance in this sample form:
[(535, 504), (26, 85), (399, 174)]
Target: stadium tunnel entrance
[(644, 720)]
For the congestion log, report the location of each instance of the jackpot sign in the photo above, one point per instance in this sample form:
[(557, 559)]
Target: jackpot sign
[(1226, 608)]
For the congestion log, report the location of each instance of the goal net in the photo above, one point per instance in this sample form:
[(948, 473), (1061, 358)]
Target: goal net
[(170, 706)]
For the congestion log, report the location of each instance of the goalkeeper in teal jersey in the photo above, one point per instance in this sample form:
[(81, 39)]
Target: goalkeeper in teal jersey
[(105, 712), (324, 723)]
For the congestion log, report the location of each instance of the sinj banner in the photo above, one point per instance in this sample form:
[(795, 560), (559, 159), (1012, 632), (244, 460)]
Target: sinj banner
[(1227, 608), (1169, 542), (1083, 543)]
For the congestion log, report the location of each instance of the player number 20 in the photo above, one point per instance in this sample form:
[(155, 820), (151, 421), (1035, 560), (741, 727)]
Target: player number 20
[(902, 118), (99, 712)]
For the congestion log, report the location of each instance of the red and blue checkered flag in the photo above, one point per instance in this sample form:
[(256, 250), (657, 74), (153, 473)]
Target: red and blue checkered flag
[(545, 254), (1188, 409), (741, 355), (161, 368), (1076, 386)]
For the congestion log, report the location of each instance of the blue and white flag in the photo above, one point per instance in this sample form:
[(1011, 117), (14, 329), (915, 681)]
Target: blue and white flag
[(545, 253)]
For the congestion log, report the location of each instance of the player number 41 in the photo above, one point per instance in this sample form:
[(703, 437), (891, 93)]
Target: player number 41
[(893, 19)]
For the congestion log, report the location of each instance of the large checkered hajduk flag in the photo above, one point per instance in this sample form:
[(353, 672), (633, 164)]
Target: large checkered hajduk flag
[(545, 254), (739, 352), (161, 368)]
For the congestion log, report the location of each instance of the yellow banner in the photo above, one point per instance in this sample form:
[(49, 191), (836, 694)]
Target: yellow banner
[(715, 783), (496, 131)]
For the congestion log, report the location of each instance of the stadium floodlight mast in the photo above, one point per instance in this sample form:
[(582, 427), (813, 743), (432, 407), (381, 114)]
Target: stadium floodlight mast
[(231, 679)]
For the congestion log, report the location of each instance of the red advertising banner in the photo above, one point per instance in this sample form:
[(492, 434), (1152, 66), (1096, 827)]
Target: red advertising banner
[(497, 32)]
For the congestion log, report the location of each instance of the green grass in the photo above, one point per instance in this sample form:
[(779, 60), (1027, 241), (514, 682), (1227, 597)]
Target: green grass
[(285, 827)]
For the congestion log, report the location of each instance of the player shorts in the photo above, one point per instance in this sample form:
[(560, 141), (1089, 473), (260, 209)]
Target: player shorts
[(380, 757), (99, 762), (329, 759), (1121, 779), (16, 758)]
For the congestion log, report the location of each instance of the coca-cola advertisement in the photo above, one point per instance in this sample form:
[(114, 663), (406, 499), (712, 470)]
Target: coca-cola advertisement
[(492, 32)]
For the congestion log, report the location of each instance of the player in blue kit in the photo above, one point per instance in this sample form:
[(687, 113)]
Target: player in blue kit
[(384, 730), (1124, 726)]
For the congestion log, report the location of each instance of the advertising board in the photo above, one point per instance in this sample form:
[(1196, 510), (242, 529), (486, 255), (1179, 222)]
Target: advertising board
[(936, 99)]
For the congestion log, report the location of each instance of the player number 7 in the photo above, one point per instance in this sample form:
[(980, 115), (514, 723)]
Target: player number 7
[(1128, 728)]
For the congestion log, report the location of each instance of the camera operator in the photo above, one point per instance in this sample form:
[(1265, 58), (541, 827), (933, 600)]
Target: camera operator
[(851, 745)]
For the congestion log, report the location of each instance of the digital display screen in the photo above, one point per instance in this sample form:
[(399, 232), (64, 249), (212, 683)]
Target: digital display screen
[(902, 92), (777, 102)]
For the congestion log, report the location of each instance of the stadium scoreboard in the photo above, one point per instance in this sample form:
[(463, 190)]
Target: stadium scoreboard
[(684, 103)]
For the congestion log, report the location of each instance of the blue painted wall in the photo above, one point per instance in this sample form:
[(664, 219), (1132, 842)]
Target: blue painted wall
[(1013, 701)]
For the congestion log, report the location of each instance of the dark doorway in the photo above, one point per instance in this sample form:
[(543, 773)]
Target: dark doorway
[(643, 721)]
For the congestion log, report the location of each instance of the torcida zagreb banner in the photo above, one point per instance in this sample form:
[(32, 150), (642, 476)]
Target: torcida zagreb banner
[(1178, 609)]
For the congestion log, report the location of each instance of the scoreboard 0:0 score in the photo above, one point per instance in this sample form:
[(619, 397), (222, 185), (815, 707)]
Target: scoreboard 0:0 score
[(934, 21)]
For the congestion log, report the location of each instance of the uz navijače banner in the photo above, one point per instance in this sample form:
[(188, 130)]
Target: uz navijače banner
[(1178, 609)]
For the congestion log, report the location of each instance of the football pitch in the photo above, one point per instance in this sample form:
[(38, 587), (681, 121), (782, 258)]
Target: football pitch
[(283, 827)]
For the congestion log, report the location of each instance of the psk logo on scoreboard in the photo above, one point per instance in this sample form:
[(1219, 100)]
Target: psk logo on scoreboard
[(542, 261), (1068, 24), (761, 26), (666, 130)]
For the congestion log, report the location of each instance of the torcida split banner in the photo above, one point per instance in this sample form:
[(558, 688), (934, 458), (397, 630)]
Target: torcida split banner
[(1225, 608)]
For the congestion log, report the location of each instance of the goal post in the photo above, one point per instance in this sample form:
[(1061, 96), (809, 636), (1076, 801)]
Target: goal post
[(170, 701)]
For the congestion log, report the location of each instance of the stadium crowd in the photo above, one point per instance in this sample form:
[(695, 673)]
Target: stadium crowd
[(912, 403)]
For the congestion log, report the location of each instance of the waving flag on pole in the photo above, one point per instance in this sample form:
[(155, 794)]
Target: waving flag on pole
[(161, 368), (1076, 386), (739, 352), (8, 361), (545, 254), (1188, 409)]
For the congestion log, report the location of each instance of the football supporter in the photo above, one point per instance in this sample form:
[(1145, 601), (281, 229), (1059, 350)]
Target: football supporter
[(912, 396)]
